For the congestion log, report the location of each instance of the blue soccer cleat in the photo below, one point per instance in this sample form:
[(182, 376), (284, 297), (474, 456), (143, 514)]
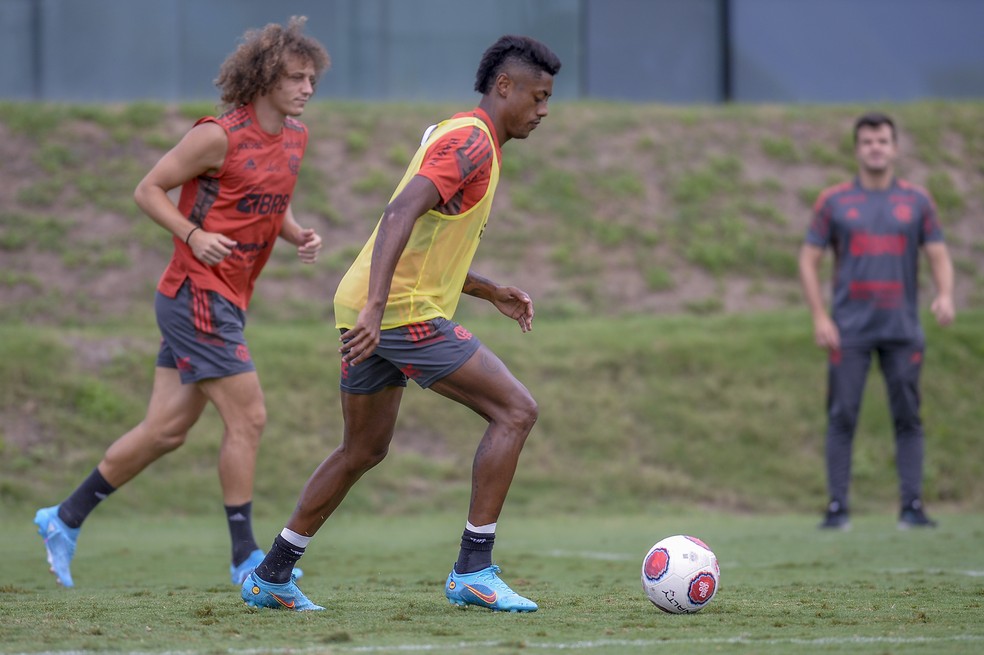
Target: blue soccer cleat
[(285, 596), (485, 589), (59, 542), (238, 574)]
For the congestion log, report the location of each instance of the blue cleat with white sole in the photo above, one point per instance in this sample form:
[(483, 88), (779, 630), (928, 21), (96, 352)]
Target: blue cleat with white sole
[(59, 542), (238, 574), (485, 589), (285, 596)]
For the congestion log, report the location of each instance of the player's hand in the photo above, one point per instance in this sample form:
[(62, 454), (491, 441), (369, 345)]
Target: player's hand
[(361, 341), (210, 247), (516, 304), (943, 310), (310, 246), (825, 333)]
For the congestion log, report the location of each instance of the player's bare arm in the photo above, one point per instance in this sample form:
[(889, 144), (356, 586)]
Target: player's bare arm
[(511, 301), (201, 151), (825, 331), (399, 217), (942, 269), (307, 240)]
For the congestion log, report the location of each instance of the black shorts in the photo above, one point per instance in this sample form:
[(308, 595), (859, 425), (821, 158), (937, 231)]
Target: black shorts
[(424, 352), (202, 335)]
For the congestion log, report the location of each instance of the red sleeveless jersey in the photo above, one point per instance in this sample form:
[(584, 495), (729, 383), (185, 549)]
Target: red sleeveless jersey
[(245, 201)]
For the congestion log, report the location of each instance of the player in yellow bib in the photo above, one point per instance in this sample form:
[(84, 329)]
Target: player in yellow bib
[(395, 307)]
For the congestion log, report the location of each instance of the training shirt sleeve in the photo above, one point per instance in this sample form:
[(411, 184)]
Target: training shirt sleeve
[(818, 234), (932, 230), (457, 160)]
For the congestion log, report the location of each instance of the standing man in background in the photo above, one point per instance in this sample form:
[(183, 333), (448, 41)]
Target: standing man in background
[(394, 307), (237, 174), (876, 225)]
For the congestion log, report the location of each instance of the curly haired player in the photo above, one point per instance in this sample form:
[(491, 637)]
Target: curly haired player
[(237, 174)]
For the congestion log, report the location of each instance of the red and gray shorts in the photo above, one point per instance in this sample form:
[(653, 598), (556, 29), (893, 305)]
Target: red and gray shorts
[(202, 335), (424, 352)]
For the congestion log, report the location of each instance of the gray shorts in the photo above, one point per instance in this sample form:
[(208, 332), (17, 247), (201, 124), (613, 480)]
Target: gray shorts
[(201, 335), (424, 352)]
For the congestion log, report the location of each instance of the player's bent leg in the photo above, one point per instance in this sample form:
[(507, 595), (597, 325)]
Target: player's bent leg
[(370, 420), (485, 385), (239, 401), (172, 411)]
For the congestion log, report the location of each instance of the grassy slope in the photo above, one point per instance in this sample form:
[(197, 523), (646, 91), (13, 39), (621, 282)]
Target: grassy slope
[(640, 230), (607, 208), (637, 414)]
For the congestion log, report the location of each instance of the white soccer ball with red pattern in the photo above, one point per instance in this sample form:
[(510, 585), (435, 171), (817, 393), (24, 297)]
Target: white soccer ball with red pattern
[(680, 574)]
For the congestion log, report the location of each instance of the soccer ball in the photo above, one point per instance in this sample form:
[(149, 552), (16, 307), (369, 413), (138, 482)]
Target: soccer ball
[(680, 574)]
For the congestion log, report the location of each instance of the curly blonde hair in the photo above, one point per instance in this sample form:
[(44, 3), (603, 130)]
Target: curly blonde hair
[(256, 66)]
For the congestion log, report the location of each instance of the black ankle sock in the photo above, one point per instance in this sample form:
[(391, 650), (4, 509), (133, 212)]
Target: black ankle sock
[(475, 553), (279, 562), (241, 531), (93, 490)]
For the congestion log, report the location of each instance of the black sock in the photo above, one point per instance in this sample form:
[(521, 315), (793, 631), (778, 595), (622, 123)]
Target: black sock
[(93, 490), (241, 531), (279, 562), (475, 553)]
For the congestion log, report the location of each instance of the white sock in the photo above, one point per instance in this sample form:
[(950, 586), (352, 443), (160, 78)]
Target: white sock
[(481, 529), (292, 537)]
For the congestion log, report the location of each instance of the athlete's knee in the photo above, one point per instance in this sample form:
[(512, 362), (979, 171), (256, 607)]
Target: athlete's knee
[(360, 459), (166, 441), (521, 414), (249, 423)]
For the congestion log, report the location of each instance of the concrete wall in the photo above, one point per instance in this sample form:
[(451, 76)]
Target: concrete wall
[(674, 51)]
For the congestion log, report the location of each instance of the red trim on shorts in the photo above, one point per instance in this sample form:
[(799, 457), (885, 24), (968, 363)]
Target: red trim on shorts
[(420, 331), (201, 309)]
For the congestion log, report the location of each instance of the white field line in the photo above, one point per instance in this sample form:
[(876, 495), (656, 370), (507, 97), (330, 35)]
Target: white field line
[(968, 573), (574, 645)]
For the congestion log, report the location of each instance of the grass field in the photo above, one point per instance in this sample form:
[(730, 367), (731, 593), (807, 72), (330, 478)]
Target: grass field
[(160, 584)]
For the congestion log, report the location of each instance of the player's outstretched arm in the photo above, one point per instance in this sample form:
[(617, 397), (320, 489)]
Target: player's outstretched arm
[(511, 301)]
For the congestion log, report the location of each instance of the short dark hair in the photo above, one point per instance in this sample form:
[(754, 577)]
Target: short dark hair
[(522, 49), (873, 119)]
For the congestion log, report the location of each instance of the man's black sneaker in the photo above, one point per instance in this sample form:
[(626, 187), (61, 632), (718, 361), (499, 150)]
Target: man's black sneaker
[(837, 517), (913, 516)]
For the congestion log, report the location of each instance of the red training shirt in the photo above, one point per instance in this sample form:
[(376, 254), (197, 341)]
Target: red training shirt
[(246, 201)]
